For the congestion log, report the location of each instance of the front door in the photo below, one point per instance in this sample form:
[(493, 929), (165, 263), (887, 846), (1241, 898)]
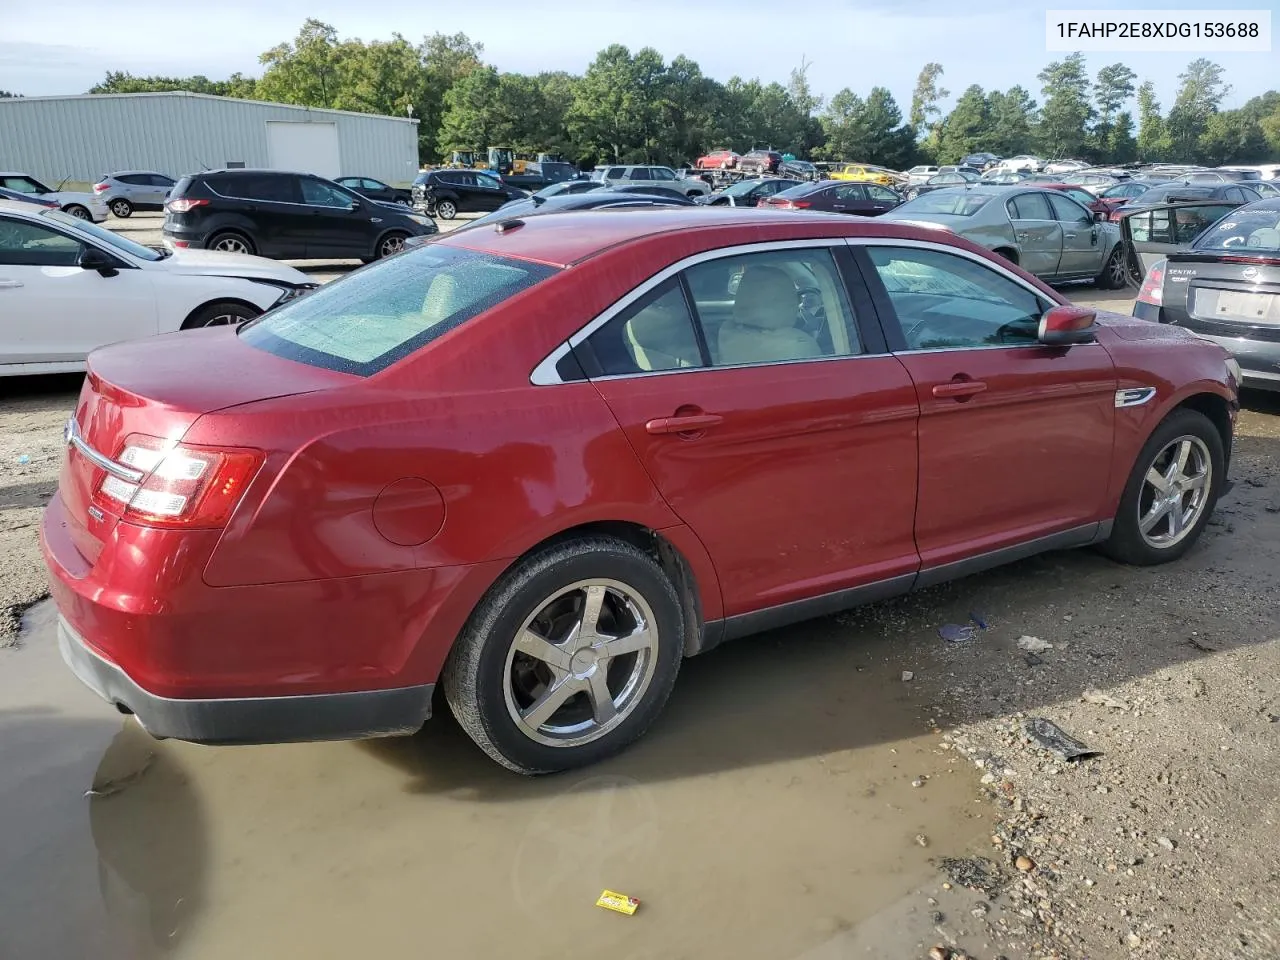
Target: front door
[(1037, 232), (770, 422), (52, 310), (1081, 249), (342, 225), (1015, 437), (488, 193)]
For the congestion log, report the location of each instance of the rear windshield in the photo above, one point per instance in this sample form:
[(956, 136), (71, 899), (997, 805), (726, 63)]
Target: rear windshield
[(951, 202), (1244, 232), (369, 319)]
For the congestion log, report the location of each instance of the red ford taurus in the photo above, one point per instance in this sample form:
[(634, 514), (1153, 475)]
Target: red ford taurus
[(540, 463)]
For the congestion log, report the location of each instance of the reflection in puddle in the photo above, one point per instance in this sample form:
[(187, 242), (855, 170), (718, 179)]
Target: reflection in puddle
[(770, 810)]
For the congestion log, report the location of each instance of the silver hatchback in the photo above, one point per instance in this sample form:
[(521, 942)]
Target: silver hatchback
[(131, 190)]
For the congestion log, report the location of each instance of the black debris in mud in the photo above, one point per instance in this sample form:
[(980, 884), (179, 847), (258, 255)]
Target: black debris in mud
[(976, 873)]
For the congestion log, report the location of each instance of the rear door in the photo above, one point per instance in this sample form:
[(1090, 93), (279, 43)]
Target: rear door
[(1081, 251), (1037, 231), (1015, 438), (849, 198), (769, 418)]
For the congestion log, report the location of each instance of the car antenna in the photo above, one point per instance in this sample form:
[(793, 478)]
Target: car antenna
[(505, 225), (61, 183)]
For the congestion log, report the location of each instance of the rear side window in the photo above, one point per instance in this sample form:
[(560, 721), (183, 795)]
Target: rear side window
[(368, 320), (256, 187), (1030, 206)]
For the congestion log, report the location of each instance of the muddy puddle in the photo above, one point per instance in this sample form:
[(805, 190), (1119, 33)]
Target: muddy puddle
[(769, 814)]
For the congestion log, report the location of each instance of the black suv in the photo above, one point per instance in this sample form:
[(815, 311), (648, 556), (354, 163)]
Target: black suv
[(760, 161), (289, 216), (447, 193)]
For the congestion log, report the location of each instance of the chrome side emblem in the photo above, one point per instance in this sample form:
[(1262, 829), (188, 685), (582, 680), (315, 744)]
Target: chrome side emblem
[(1134, 396), (70, 430), (1250, 273), (97, 514)]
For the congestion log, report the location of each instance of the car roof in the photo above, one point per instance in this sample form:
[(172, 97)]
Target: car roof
[(21, 207), (129, 173), (16, 173), (574, 236)]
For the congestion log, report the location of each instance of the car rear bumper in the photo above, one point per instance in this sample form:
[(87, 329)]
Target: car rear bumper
[(328, 716), (1259, 359), (181, 235)]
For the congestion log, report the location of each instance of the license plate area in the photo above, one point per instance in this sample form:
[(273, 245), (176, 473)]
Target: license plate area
[(1236, 306)]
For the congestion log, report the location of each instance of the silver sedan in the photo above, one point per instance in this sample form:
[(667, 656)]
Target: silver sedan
[(1045, 232)]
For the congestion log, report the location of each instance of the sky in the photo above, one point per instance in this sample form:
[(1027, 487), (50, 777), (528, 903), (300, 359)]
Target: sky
[(849, 43)]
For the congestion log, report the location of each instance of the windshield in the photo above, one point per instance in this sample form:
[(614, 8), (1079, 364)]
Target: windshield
[(953, 203), (368, 320), (1244, 231), (742, 188), (108, 237)]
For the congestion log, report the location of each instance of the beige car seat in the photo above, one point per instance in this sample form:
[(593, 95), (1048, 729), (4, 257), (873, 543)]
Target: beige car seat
[(661, 337), (763, 328)]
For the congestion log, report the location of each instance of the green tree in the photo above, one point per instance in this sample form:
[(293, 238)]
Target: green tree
[(1199, 97), (6, 95), (1113, 87), (473, 113), (846, 137), (1153, 135), (616, 110), (445, 59), (966, 128), (800, 93), (925, 98), (1066, 113), (237, 85), (1266, 110), (1233, 136), (383, 77), (1012, 117), (304, 71), (1120, 146)]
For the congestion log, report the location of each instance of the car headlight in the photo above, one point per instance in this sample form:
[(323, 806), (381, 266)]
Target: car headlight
[(293, 293), (1234, 372), (421, 220)]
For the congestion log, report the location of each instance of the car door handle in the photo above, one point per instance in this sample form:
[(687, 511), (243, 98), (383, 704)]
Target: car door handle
[(959, 389), (692, 423), (10, 284), (1069, 236)]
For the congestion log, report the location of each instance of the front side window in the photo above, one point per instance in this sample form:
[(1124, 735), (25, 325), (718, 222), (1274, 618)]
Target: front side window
[(488, 182), (773, 307), (25, 244), (369, 319), (881, 193), (23, 185), (102, 235), (317, 193), (945, 301), (848, 194), (1068, 211), (639, 173)]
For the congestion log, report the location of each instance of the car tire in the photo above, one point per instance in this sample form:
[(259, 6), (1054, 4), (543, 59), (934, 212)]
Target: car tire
[(230, 241), (1115, 272), (446, 209), (492, 683), (220, 313), (1141, 505), (121, 208), (79, 212), (391, 244)]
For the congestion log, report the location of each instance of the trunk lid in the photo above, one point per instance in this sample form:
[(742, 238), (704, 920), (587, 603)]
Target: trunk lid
[(159, 387), (1223, 296)]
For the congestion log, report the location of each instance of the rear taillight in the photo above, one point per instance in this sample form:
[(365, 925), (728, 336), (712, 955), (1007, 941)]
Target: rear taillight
[(183, 485), (101, 187), (793, 204), (1153, 286), (183, 205)]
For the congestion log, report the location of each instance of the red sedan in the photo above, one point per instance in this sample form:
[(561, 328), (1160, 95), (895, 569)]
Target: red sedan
[(717, 160), (540, 463), (1085, 198)]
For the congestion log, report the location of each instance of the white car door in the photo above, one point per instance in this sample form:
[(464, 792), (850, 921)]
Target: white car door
[(52, 310)]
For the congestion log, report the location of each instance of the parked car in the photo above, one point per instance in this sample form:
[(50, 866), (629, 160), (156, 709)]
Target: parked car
[(283, 215), (446, 193), (1266, 189), (864, 173), (613, 197), (919, 174), (1023, 161), (1164, 193), (564, 188), (1224, 286), (1095, 183), (980, 161), (1223, 175), (760, 162), (1045, 232), (68, 287), (542, 487), (955, 178), (722, 159), (747, 193), (630, 174), (83, 206), (28, 198), (863, 199), (1080, 195), (798, 169), (1065, 166), (131, 190), (1004, 177), (376, 190)]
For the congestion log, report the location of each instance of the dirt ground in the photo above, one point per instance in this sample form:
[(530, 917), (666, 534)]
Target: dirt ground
[(800, 799)]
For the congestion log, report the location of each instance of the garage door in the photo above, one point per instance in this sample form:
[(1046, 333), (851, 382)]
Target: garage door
[(304, 147)]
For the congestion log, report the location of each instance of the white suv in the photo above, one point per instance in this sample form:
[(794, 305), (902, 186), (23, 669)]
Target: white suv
[(654, 177)]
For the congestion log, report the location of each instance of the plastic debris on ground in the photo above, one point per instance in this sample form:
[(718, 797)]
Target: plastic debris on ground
[(956, 633), (618, 902), (1033, 644), (1057, 741), (980, 618), (23, 460)]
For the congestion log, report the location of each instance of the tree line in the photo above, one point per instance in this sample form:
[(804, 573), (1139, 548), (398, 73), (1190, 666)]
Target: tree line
[(638, 108)]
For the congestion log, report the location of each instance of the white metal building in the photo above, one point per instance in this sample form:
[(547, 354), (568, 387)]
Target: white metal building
[(81, 138)]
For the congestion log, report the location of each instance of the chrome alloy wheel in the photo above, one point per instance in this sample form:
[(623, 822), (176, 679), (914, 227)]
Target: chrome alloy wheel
[(1175, 492), (580, 665), (1117, 270), (231, 245)]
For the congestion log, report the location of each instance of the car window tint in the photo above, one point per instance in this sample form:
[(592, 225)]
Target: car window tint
[(615, 173), (373, 317), (881, 193), (25, 244), (160, 180), (945, 301), (653, 334), (639, 173), (489, 183), (1066, 211), (370, 184), (773, 307), (662, 173), (134, 179), (262, 187), (1030, 206), (1080, 196), (20, 184), (317, 193), (848, 193)]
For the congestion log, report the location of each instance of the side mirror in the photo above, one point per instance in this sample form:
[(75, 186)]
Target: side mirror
[(354, 205), (91, 258), (1099, 216), (1066, 325)]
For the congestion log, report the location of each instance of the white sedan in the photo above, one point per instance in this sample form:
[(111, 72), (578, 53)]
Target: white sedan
[(68, 286)]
